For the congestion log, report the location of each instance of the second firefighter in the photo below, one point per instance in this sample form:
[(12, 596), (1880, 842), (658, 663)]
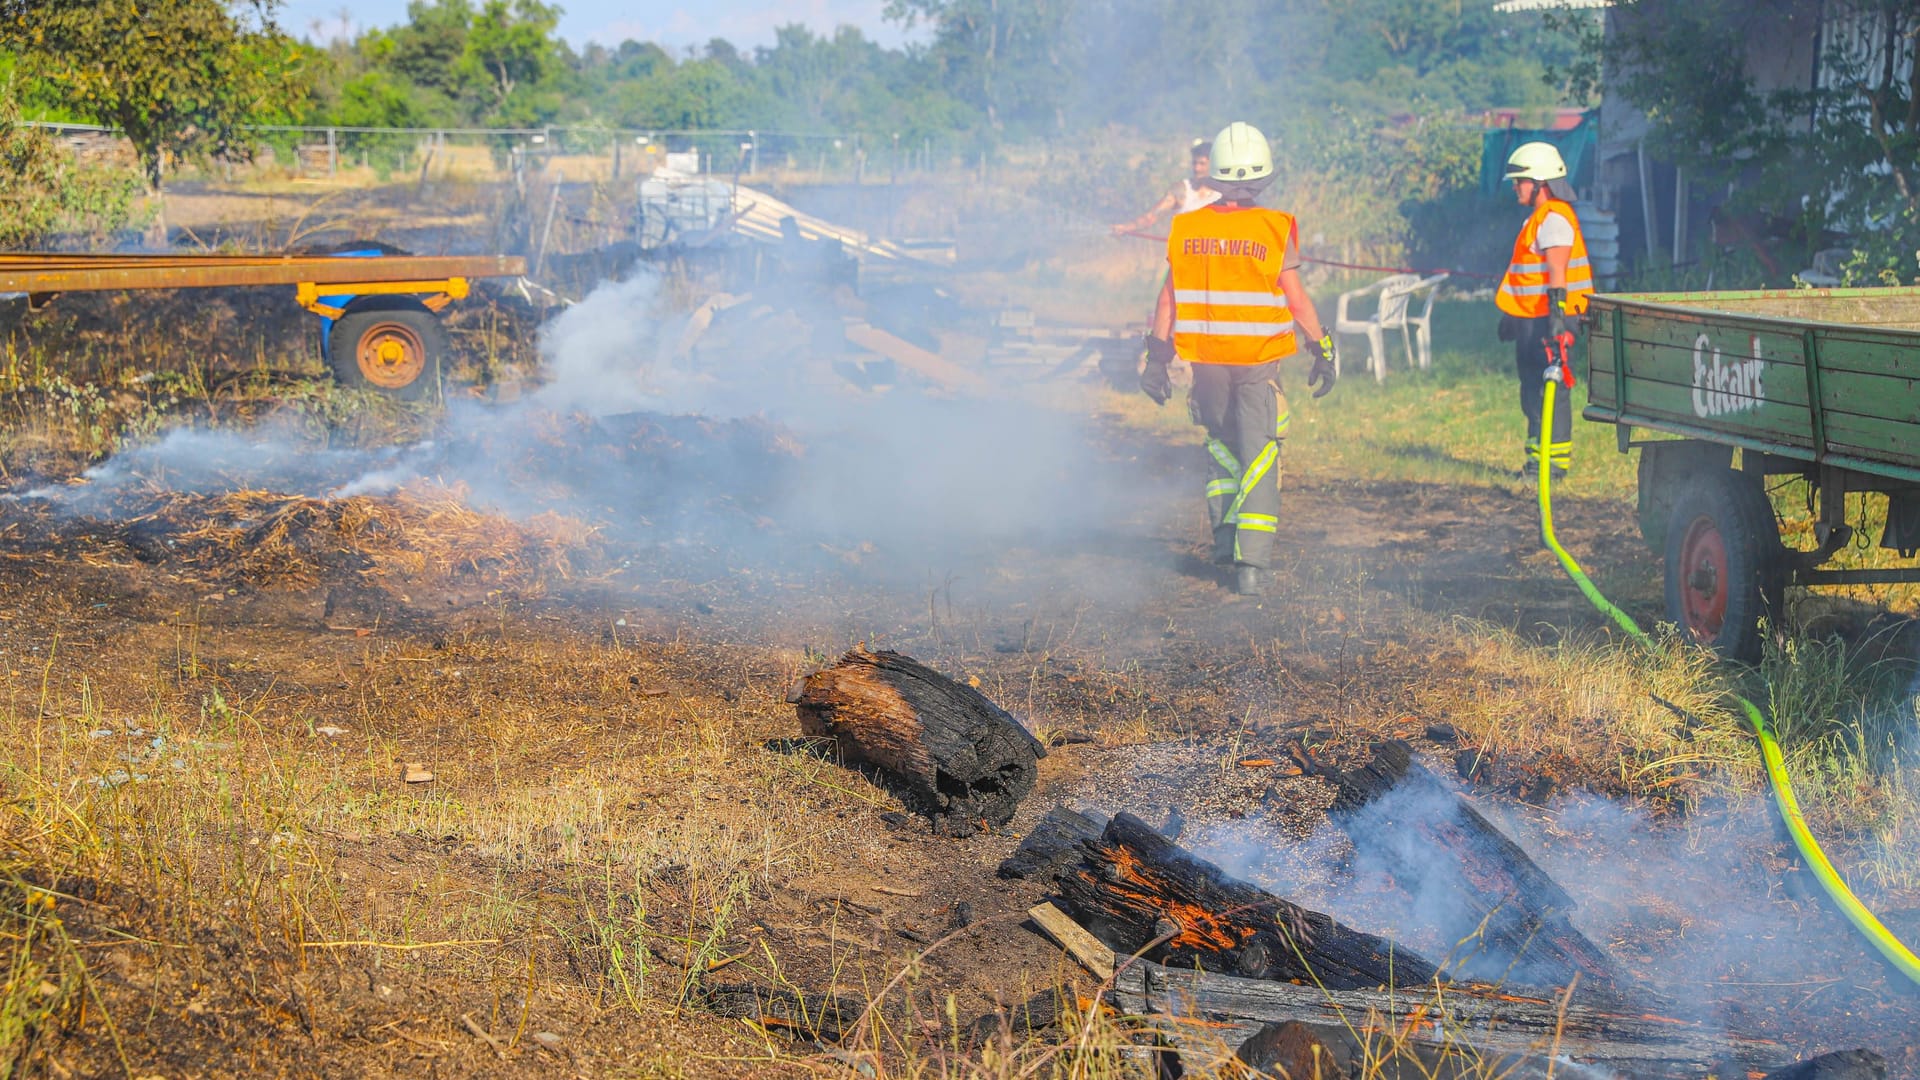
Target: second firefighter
[(1544, 289)]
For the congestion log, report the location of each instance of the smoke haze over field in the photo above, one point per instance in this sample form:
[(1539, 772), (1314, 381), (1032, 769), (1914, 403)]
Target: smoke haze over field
[(744, 448)]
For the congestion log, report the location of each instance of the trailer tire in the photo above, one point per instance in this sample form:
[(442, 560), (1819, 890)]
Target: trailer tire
[(1725, 566), (390, 344), (1666, 469)]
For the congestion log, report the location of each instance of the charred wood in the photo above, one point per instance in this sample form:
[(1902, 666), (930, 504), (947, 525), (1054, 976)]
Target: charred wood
[(827, 1017), (1052, 846), (963, 760), (1038, 1013), (1295, 1050), (1512, 917), (1289, 1050), (1475, 1025), (1839, 1065), (1134, 887)]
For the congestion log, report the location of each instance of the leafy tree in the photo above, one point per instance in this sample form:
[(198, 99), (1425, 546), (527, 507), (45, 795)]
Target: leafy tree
[(1836, 158), (44, 190), (179, 77), (512, 42), (1011, 59)]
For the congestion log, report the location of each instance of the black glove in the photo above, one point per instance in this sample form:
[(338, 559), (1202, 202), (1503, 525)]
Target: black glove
[(1556, 314), (1156, 380), (1509, 327), (1323, 374)]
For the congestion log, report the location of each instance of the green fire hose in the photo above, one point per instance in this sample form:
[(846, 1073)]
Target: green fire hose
[(1863, 920)]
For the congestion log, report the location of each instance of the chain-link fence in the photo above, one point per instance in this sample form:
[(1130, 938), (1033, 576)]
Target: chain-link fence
[(585, 152)]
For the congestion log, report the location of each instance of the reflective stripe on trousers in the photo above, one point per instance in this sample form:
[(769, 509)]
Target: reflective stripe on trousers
[(1558, 453), (1248, 521), (1244, 414)]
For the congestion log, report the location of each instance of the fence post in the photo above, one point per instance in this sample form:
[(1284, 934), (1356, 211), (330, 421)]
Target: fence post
[(546, 233), (333, 155)]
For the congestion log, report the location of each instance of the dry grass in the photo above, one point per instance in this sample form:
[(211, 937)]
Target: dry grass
[(281, 823), (422, 532)]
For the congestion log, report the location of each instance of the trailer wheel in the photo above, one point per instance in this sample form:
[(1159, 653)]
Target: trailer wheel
[(1725, 568), (389, 344), (1666, 469)]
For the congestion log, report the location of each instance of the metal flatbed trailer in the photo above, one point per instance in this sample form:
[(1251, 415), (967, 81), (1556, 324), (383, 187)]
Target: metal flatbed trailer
[(379, 308), (1822, 384)]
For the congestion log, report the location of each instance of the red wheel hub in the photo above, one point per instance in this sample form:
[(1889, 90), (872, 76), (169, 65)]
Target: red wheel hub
[(1703, 579)]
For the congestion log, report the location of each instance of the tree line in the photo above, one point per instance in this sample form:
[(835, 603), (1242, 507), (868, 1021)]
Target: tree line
[(1353, 88), (988, 70)]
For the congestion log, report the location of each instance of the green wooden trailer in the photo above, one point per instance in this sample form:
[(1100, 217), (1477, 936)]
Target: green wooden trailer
[(1817, 383)]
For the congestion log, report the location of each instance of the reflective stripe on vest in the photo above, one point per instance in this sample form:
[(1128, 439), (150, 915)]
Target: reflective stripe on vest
[(1228, 307), (1523, 291)]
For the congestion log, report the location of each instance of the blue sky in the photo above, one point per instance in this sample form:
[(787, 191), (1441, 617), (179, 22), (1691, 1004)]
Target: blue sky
[(671, 22)]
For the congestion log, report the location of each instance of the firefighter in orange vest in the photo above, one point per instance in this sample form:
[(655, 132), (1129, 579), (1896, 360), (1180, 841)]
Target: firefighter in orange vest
[(1544, 291), (1233, 304)]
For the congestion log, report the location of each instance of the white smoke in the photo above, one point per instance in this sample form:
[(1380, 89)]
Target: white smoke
[(600, 352), (933, 483)]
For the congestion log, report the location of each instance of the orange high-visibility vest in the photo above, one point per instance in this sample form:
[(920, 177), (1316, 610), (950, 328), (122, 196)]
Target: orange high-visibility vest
[(1228, 307), (1523, 292)]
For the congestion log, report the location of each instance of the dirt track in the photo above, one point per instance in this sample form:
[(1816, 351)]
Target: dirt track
[(1130, 642)]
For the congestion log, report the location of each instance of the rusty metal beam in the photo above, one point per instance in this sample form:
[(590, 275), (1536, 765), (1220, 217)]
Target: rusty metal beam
[(95, 273)]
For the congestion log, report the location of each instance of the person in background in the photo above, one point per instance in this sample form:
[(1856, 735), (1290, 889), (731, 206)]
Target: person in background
[(1231, 304), (1546, 284), (1191, 193)]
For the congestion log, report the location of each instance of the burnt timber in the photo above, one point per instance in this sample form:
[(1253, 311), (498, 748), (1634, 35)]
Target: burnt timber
[(965, 762), (1136, 890)]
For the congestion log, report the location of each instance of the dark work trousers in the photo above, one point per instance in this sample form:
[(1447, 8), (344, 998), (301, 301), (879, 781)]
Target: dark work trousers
[(1530, 358), (1246, 417)]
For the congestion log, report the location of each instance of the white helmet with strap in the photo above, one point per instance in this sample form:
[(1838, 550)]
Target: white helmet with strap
[(1536, 161), (1240, 152)]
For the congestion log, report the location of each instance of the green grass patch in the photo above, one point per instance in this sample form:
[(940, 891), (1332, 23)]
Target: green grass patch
[(1459, 422)]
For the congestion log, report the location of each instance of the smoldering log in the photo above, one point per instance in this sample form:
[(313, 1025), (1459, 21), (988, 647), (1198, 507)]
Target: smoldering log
[(1134, 885), (1507, 1034), (1052, 846), (1427, 836), (963, 759)]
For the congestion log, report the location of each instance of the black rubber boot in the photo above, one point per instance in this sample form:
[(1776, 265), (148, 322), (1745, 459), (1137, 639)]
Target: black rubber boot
[(1223, 546), (1249, 581)]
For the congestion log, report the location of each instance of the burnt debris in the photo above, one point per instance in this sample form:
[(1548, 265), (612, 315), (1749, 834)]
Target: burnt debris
[(962, 760)]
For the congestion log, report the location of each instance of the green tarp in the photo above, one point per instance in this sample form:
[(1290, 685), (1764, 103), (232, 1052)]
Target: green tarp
[(1579, 145)]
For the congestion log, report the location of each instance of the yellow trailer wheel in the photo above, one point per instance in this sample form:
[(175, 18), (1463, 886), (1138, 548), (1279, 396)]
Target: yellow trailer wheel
[(390, 344)]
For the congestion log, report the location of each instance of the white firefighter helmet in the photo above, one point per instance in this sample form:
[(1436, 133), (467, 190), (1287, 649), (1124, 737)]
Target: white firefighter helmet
[(1536, 161), (1240, 152)]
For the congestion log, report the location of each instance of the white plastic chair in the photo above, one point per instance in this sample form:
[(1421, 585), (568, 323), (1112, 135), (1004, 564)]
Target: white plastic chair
[(1374, 327), (1418, 329), (1394, 311)]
